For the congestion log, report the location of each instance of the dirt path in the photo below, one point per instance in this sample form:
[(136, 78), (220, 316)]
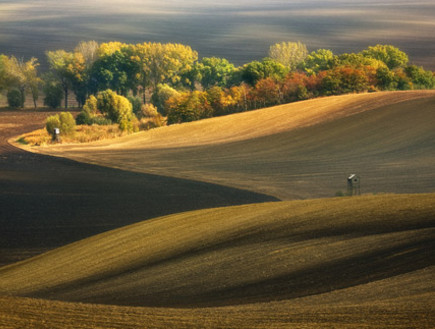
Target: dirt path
[(46, 202)]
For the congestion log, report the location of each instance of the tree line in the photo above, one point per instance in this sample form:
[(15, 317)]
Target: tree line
[(184, 88)]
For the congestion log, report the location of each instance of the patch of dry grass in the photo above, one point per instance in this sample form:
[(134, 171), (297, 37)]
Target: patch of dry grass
[(82, 134)]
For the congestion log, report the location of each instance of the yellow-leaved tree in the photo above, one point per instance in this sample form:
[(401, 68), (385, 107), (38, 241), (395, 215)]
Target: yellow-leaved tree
[(161, 63)]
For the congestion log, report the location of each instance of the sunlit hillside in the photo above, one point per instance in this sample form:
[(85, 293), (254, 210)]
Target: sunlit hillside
[(329, 261), (298, 150)]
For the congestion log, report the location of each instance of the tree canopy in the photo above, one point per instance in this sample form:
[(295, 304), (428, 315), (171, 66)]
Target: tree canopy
[(289, 54)]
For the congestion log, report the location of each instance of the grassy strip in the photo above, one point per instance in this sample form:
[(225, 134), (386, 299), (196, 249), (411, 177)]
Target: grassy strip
[(81, 134)]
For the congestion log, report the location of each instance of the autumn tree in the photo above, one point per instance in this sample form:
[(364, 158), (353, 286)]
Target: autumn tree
[(289, 54), (90, 52), (162, 63), (294, 87), (267, 92), (188, 106), (239, 97), (161, 95)]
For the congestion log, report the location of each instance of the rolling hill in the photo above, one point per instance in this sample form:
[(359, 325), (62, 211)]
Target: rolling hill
[(293, 151), (326, 262), (322, 261)]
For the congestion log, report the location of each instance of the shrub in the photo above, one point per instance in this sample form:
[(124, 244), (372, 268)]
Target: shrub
[(53, 95), (188, 106), (136, 103), (108, 107), (65, 122), (51, 123), (89, 113), (161, 95), (148, 111), (15, 99), (116, 108), (149, 123)]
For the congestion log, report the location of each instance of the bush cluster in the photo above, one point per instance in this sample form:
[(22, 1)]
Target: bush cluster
[(107, 108), (64, 121), (15, 99)]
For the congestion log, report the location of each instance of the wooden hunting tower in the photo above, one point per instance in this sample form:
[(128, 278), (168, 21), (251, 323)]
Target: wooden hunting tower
[(353, 185)]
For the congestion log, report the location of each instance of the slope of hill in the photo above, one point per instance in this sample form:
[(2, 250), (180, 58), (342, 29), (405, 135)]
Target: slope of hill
[(299, 150), (326, 262), (238, 255), (47, 202)]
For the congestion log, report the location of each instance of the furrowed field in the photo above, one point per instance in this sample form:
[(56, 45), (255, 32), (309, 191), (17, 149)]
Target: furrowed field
[(330, 262)]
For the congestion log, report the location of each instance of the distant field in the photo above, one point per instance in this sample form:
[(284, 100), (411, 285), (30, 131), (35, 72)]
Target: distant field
[(332, 263), (299, 150), (238, 30)]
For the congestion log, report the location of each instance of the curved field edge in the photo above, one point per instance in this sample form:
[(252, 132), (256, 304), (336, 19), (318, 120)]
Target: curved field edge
[(246, 254)]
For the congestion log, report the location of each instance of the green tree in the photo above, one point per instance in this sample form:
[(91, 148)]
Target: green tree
[(420, 78), (386, 79), (53, 93), (319, 60), (213, 71), (3, 71), (21, 75), (289, 54), (390, 55), (267, 68), (33, 81), (115, 71), (59, 62)]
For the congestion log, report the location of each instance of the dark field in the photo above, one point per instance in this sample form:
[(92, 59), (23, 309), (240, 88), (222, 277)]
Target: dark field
[(238, 30), (46, 202)]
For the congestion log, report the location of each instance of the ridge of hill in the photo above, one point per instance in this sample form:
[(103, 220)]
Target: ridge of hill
[(260, 253), (293, 151)]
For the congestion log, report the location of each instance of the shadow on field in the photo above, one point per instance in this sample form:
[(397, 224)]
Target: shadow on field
[(47, 202)]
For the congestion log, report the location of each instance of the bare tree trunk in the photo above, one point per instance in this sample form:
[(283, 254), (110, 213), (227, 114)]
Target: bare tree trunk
[(65, 90), (143, 95)]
